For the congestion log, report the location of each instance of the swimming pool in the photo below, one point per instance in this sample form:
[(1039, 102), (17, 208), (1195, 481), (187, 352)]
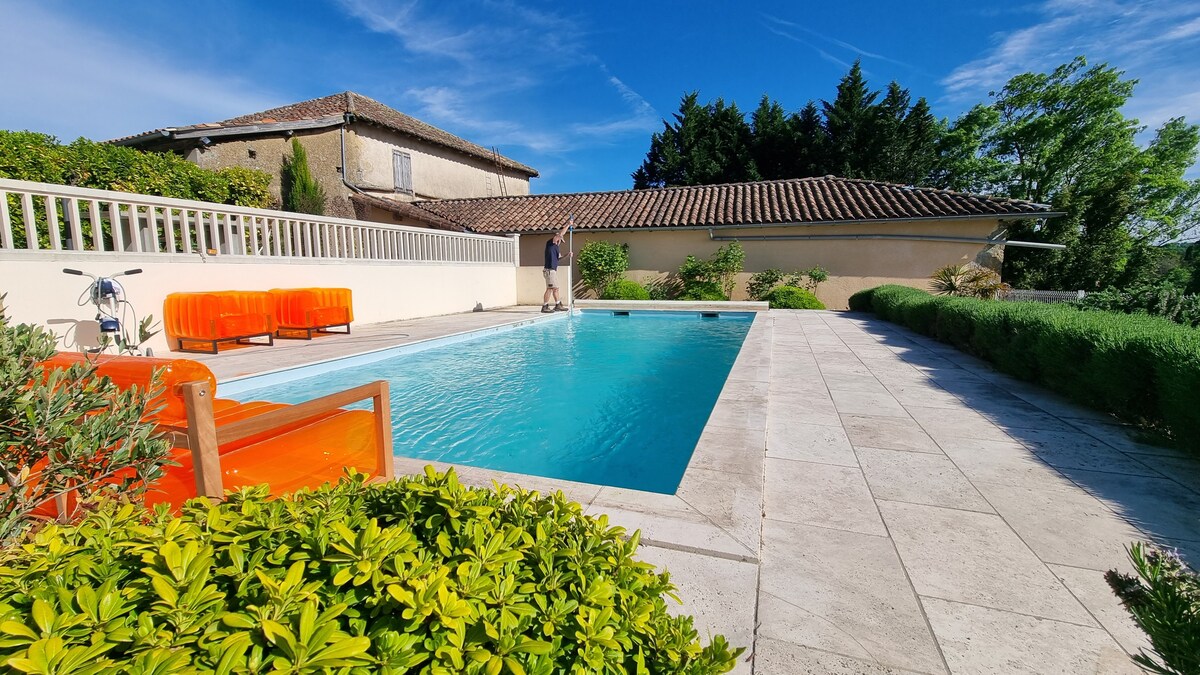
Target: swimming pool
[(596, 397)]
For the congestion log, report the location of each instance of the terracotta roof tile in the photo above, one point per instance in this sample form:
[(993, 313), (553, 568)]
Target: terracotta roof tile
[(364, 108), (825, 199), (403, 209)]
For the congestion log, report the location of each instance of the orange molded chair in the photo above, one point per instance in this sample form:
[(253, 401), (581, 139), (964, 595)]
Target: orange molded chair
[(237, 444), (312, 309), (219, 316)]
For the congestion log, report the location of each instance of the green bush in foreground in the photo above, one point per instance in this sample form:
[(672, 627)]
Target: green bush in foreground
[(1164, 600), (1141, 368), (601, 263), (790, 297), (416, 575), (624, 289)]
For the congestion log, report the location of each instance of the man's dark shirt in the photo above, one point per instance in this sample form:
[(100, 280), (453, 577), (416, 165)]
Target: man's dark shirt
[(551, 255)]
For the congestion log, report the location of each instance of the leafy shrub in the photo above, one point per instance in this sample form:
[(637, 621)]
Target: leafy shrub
[(966, 281), (1164, 299), (1137, 367), (301, 192), (790, 297), (704, 279), (1164, 600), (666, 287), (601, 263), (421, 572), (761, 283), (26, 155), (624, 289), (65, 431)]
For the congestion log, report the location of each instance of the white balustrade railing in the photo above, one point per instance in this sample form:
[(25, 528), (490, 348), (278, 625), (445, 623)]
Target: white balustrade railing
[(45, 217)]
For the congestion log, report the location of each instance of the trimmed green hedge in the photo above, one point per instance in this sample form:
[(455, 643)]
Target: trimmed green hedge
[(790, 297), (419, 574), (1140, 368)]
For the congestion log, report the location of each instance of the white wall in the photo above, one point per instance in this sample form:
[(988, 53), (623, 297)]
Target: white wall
[(38, 292), (531, 285)]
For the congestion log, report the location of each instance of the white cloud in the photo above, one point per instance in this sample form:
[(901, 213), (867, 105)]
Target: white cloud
[(773, 22), (1153, 41), (489, 54), (68, 79)]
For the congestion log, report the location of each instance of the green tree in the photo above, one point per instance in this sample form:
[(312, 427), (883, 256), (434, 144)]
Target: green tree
[(707, 144), (1060, 138), (851, 123), (301, 192), (774, 141), (811, 143)]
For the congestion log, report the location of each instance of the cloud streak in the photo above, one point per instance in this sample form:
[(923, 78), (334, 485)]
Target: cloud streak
[(1127, 34), (772, 24)]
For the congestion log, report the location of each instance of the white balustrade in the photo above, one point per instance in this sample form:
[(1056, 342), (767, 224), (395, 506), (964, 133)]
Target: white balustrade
[(44, 217)]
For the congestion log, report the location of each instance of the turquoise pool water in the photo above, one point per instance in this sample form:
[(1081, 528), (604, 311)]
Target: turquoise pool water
[(596, 398)]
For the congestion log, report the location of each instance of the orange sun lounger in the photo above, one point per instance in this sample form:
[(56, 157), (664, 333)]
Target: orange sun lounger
[(219, 316), (311, 309), (220, 444)]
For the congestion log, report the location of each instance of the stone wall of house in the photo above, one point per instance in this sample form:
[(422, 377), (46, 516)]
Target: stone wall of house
[(437, 172), (266, 154), (853, 264)]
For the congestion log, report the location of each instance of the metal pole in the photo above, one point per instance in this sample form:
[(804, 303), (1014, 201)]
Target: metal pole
[(570, 269)]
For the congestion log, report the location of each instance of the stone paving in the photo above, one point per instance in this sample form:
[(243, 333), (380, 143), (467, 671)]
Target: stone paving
[(866, 500), (923, 513)]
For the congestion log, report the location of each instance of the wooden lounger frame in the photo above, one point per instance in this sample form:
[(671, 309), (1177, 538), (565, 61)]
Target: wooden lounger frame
[(270, 342), (203, 437), (309, 330)]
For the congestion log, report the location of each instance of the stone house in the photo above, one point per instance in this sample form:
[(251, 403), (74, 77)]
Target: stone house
[(371, 160), (865, 233)]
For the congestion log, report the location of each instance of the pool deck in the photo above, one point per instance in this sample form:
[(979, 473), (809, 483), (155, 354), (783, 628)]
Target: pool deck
[(866, 500)]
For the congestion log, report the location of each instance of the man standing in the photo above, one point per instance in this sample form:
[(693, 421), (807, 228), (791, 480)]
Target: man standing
[(550, 269)]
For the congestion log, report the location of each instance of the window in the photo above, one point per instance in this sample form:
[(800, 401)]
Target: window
[(402, 166)]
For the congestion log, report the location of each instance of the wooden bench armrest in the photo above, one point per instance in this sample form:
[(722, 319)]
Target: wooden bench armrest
[(203, 437)]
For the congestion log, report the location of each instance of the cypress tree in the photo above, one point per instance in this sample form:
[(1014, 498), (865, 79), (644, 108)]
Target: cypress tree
[(301, 192), (849, 122)]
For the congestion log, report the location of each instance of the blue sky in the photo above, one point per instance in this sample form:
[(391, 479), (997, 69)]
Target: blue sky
[(573, 89)]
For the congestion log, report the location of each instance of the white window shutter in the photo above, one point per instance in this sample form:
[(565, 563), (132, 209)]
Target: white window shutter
[(402, 168)]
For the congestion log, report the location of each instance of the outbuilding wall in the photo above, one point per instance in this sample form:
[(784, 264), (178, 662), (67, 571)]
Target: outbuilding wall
[(853, 264)]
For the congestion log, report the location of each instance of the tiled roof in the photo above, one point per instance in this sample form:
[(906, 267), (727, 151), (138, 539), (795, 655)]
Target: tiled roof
[(825, 199), (363, 108), (403, 209)]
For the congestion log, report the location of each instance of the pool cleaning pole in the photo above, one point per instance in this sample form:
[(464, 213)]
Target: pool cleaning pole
[(571, 263)]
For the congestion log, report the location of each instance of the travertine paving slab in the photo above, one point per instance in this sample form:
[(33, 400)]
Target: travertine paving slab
[(820, 494), (1071, 450), (985, 641), (890, 433), (730, 449), (841, 592), (943, 423), (919, 478), (1089, 586), (975, 558), (1065, 527), (776, 657), (1003, 463), (1160, 507), (719, 594), (867, 404), (788, 439)]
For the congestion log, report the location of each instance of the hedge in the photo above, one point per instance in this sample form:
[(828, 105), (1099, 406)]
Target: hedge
[(1140, 368), (420, 574)]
